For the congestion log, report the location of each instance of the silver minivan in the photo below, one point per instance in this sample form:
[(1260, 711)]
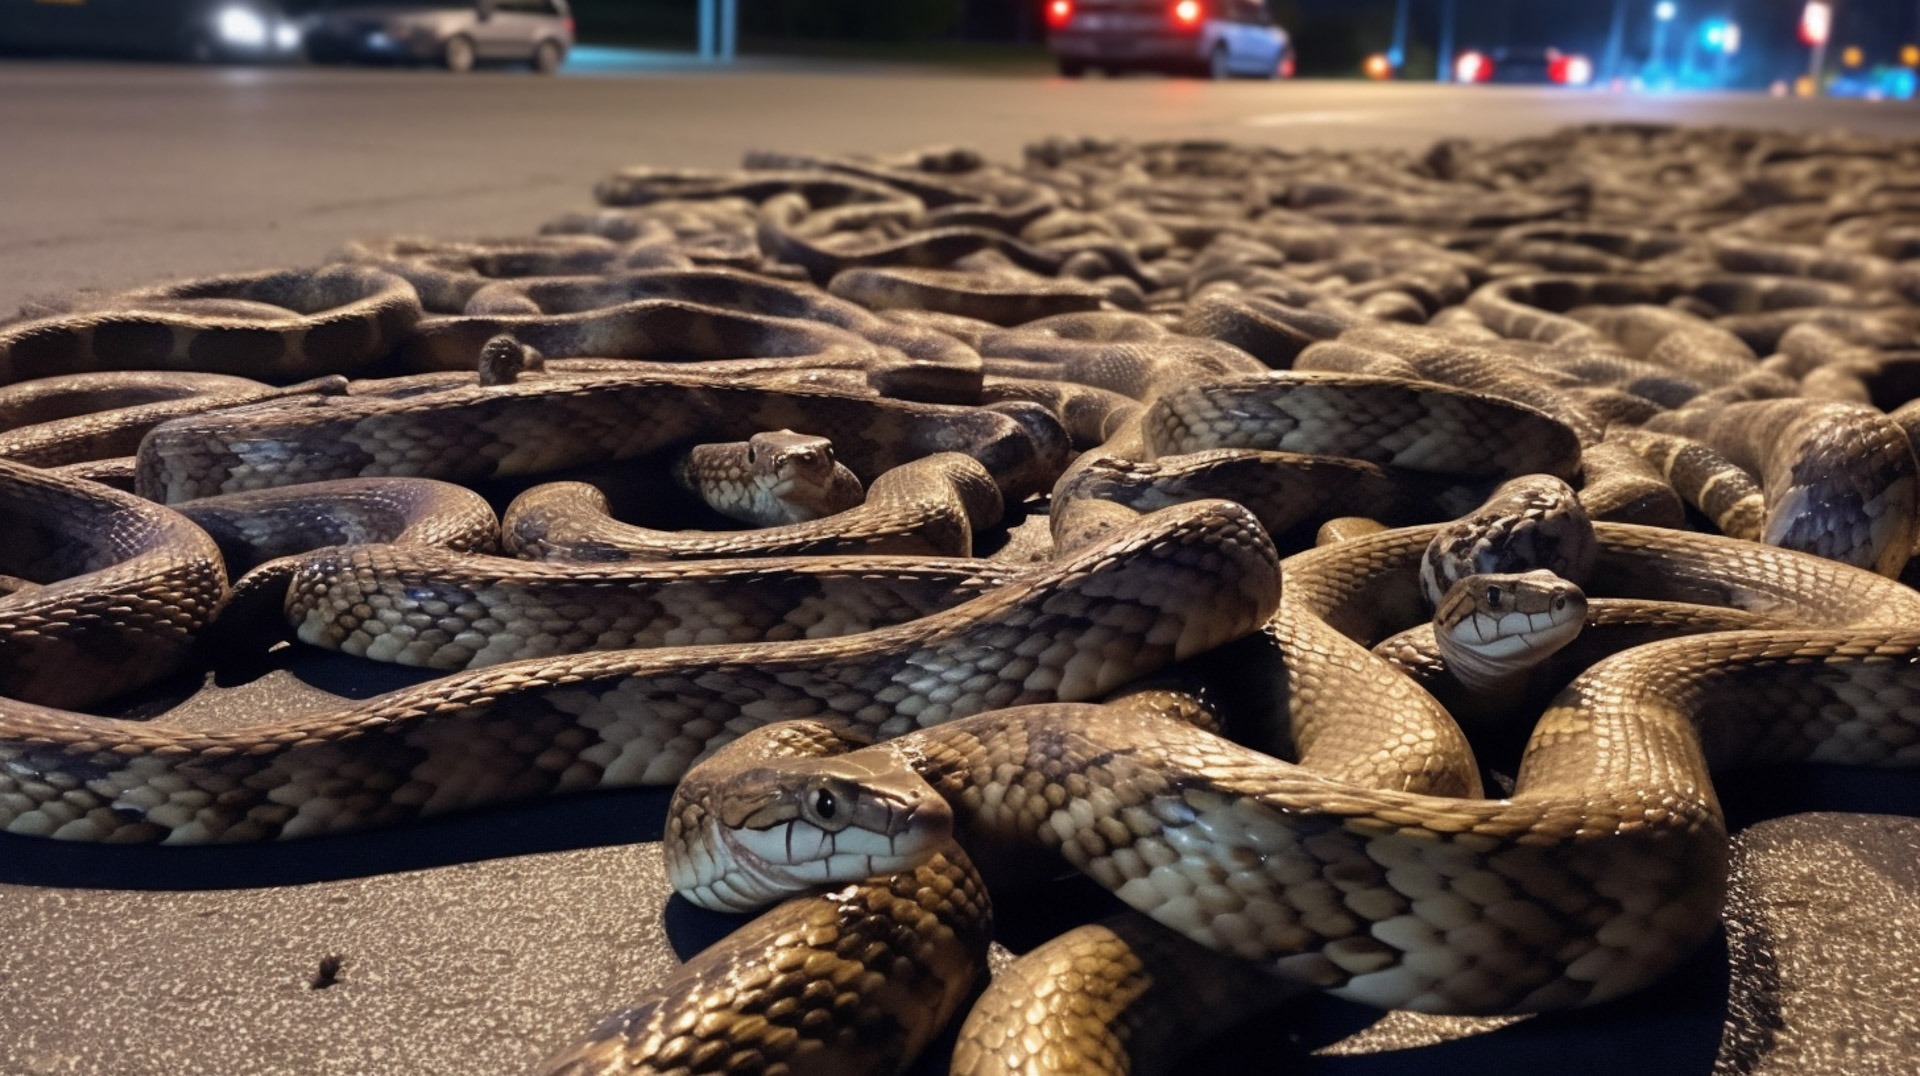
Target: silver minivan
[(458, 36)]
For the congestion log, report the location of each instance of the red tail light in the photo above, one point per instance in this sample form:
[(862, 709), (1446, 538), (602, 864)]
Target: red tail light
[(1569, 69), (1188, 13), (1059, 13), (1472, 67)]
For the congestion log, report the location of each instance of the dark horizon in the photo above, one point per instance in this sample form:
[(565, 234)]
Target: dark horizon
[(1333, 36)]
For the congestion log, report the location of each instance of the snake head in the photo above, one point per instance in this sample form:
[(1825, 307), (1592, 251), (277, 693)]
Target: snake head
[(771, 479), (772, 831), (799, 471), (503, 360), (790, 456), (1494, 626)]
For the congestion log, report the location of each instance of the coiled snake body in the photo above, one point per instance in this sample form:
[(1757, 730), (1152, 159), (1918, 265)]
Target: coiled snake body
[(1605, 865), (1071, 366)]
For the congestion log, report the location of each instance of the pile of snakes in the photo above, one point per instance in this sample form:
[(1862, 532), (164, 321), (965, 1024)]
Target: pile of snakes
[(1357, 562)]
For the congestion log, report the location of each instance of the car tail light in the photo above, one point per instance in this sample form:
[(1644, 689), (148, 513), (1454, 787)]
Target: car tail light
[(1059, 13), (1472, 67), (1570, 69), (1187, 14)]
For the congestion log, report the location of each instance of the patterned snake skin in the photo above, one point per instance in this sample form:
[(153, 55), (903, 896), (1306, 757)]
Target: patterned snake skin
[(1094, 397)]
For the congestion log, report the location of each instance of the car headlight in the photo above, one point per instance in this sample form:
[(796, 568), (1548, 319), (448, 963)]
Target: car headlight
[(241, 26), (286, 37)]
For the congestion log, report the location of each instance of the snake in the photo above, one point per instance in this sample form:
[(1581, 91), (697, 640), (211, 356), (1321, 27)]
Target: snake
[(119, 588), (263, 536), (1604, 866), (932, 506), (918, 936), (280, 325), (773, 478), (1091, 349), (638, 716), (543, 424)]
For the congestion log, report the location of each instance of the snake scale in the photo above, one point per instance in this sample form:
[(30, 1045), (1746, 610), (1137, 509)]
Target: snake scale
[(1078, 420)]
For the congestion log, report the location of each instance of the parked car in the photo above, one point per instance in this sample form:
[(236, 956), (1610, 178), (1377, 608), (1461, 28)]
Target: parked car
[(203, 30), (1536, 66), (1215, 38), (456, 35)]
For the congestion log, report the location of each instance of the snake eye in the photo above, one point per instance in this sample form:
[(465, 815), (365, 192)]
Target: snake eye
[(1493, 596), (1559, 602), (824, 804)]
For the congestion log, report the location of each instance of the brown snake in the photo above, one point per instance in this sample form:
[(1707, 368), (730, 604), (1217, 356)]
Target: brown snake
[(637, 716), (1604, 867), (1309, 333)]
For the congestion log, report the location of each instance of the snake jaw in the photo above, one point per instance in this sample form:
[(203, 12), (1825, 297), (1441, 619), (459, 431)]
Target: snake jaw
[(1495, 628), (823, 822)]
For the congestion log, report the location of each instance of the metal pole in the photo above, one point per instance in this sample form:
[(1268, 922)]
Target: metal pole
[(706, 29), (1443, 63), (1616, 39), (1819, 59), (1397, 55), (729, 28)]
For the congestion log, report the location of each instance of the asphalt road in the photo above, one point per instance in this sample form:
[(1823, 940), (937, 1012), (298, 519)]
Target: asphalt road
[(479, 943), (116, 175)]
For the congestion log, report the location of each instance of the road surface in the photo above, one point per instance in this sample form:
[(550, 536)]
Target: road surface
[(115, 175)]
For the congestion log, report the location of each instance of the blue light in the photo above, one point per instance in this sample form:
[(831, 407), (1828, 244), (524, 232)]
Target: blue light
[(1714, 33)]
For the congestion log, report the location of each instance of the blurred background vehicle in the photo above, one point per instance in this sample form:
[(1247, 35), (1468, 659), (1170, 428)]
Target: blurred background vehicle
[(1526, 66), (203, 30), (1214, 38), (455, 35)]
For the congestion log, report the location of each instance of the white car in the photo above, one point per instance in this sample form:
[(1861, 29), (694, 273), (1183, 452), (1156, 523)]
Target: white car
[(1215, 38), (458, 36)]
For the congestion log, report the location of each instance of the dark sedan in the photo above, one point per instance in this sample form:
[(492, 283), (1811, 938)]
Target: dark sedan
[(1527, 66)]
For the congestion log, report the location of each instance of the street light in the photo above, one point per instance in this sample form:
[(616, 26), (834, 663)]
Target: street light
[(1816, 23), (1663, 14), (1397, 55), (1721, 36)]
